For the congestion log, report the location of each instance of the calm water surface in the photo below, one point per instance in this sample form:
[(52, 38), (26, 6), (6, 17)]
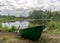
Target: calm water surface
[(23, 24)]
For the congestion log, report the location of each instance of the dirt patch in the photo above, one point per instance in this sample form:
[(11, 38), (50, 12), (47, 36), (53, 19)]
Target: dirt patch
[(10, 37), (50, 38)]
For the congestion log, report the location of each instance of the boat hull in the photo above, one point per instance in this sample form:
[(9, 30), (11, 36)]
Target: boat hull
[(33, 33)]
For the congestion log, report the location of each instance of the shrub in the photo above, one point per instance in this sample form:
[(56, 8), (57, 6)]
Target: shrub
[(13, 28), (51, 25), (10, 30), (54, 27), (5, 28), (0, 25), (58, 25), (33, 33), (31, 25)]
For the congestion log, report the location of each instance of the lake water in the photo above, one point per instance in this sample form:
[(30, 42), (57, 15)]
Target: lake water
[(22, 24)]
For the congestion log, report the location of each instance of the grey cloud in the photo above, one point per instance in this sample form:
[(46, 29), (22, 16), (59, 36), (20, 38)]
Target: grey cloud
[(23, 7)]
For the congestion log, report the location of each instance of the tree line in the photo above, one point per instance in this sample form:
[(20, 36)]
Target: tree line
[(48, 15)]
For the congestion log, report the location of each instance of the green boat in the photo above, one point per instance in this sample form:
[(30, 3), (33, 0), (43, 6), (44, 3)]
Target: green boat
[(33, 33)]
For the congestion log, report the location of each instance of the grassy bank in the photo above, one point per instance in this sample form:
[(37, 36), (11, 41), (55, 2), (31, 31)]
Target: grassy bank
[(19, 19), (52, 36), (6, 28)]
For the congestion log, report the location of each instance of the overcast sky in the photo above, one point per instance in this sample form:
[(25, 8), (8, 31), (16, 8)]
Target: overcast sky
[(22, 7)]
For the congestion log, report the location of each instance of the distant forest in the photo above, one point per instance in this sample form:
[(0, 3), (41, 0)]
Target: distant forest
[(39, 14), (45, 15)]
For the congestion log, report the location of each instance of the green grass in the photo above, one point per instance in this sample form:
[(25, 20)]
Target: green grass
[(6, 28), (13, 28), (53, 27), (0, 25)]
